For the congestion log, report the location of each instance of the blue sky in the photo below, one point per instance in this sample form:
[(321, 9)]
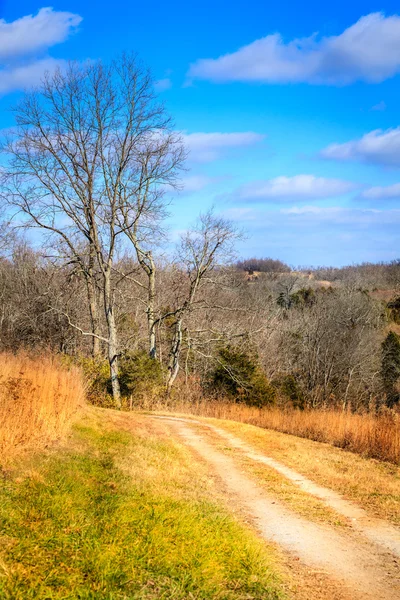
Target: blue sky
[(290, 110)]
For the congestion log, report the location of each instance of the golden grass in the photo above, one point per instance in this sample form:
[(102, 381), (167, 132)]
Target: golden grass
[(38, 398), (369, 435)]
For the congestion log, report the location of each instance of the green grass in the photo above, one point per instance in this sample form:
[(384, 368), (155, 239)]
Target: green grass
[(121, 515)]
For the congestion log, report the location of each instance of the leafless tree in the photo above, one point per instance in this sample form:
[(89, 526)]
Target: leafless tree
[(203, 249), (88, 163)]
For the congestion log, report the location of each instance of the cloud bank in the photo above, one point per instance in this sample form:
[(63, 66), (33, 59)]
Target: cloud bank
[(24, 44), (367, 51)]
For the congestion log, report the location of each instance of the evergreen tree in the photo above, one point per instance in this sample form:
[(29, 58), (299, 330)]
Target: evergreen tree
[(391, 367)]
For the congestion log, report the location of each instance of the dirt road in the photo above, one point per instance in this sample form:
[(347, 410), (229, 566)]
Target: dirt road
[(362, 563)]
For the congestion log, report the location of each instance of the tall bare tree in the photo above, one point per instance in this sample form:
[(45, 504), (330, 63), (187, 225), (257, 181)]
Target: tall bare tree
[(89, 161), (203, 249)]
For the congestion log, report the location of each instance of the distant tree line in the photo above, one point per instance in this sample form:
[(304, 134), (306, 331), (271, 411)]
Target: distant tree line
[(262, 265)]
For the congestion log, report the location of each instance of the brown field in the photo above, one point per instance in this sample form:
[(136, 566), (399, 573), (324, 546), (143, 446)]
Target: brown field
[(38, 399)]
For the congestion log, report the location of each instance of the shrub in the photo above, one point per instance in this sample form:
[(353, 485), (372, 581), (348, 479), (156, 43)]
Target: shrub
[(239, 376), (394, 309), (301, 298), (289, 390), (390, 370), (141, 377), (96, 372)]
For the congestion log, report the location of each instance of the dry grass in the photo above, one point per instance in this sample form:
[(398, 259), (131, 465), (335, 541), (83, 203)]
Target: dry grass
[(38, 398), (368, 435)]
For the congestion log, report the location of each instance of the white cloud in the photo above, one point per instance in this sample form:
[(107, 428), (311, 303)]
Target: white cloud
[(24, 44), (388, 192), (35, 33), (161, 85), (206, 147), (376, 147), (299, 187), (367, 51), (380, 107), (196, 183), (25, 76)]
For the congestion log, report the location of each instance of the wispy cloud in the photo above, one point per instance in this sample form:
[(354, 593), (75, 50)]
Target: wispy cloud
[(25, 76), (206, 147), (380, 107), (24, 44), (161, 85), (298, 187), (388, 192), (376, 147), (367, 51), (312, 235), (196, 183)]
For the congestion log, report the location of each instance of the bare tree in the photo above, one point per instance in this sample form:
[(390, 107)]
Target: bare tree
[(84, 165), (203, 249)]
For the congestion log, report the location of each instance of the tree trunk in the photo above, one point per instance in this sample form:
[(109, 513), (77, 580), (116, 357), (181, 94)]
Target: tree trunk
[(112, 341), (94, 315), (151, 317), (173, 364), (93, 300)]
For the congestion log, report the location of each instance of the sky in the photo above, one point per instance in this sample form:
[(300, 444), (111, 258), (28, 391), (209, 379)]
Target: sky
[(290, 111)]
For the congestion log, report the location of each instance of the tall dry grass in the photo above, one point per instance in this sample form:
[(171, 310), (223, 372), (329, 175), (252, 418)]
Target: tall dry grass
[(373, 436), (38, 399)]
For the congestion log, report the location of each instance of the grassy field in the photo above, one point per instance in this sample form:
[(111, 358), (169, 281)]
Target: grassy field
[(121, 511)]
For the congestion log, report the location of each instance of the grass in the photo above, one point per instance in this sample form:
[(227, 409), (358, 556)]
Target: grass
[(372, 484), (38, 399), (368, 435), (121, 511)]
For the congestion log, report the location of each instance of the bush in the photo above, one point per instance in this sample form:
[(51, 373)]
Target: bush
[(304, 297), (391, 367), (289, 390), (96, 372), (394, 309), (140, 376), (239, 376)]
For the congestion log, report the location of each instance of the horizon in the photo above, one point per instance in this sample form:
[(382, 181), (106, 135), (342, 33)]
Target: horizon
[(289, 113)]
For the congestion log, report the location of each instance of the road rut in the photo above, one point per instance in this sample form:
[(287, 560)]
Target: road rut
[(365, 565)]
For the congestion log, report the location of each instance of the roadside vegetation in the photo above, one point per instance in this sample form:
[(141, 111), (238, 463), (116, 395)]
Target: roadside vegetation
[(39, 397)]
